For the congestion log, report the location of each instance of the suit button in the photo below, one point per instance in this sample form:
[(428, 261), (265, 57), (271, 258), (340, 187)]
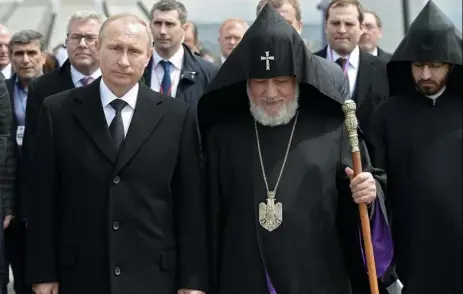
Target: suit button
[(116, 180), (116, 226), (117, 271)]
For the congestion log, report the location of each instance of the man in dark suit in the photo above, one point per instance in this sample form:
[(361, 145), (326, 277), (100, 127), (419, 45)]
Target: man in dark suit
[(187, 74), (366, 73), (7, 168), (372, 32), (26, 50), (81, 68), (116, 175), (367, 78)]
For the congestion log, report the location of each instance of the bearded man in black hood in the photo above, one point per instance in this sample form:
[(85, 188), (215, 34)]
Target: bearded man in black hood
[(283, 216), (417, 136)]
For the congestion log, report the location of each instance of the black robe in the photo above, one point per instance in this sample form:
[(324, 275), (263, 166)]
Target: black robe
[(416, 143), (317, 246), (423, 200)]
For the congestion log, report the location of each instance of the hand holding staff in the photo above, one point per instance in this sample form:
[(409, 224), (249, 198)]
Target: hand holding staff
[(351, 123)]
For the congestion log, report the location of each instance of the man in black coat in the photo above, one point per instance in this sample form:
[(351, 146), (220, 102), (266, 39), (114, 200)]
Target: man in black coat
[(366, 73), (115, 172), (26, 49), (7, 167), (81, 68), (418, 134), (188, 74)]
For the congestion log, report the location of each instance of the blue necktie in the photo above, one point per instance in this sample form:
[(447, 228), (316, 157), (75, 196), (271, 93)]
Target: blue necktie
[(166, 82)]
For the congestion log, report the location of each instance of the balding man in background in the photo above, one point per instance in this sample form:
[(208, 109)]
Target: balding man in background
[(230, 34), (6, 70), (372, 33), (110, 216)]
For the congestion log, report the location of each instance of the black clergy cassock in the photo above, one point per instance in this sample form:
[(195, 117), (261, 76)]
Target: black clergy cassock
[(418, 143), (317, 247)]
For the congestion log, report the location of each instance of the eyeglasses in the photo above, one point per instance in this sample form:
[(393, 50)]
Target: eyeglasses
[(76, 38)]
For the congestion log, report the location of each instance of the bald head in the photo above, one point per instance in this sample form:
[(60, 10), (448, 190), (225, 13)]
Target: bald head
[(234, 22), (231, 32), (128, 25), (5, 37), (4, 30)]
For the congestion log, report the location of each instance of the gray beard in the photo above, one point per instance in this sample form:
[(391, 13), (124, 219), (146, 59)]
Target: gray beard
[(284, 116)]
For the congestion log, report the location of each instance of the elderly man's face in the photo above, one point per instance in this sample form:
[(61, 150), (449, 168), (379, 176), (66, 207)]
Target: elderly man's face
[(81, 40), (273, 101), (371, 33), (430, 77), (230, 36)]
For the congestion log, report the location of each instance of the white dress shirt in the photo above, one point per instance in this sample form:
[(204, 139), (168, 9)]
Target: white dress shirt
[(127, 112), (77, 76), (375, 52), (7, 71), (352, 67), (157, 72)]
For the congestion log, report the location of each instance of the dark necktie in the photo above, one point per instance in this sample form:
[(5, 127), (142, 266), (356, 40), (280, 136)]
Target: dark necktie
[(86, 80), (116, 128), (341, 62), (166, 82)]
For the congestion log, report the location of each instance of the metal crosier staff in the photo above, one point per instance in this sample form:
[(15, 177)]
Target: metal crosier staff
[(351, 123)]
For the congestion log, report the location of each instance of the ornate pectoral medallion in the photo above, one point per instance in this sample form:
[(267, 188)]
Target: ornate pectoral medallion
[(270, 214)]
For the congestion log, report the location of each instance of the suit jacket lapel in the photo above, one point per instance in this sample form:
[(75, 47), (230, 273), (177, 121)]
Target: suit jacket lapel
[(144, 121), (147, 73), (65, 73), (90, 115), (364, 75)]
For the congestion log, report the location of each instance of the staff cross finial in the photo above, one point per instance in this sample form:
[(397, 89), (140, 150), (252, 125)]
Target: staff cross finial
[(267, 59)]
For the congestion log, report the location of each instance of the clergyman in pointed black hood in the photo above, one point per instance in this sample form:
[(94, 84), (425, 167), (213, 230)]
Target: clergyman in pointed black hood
[(414, 133), (282, 216)]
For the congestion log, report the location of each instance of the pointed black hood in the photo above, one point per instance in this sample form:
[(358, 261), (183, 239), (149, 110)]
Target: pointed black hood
[(270, 48), (431, 37)]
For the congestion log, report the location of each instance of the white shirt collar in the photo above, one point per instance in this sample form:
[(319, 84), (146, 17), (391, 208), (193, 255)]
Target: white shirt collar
[(176, 59), (77, 75), (437, 95), (222, 59), (375, 52), (7, 71), (107, 96), (354, 56)]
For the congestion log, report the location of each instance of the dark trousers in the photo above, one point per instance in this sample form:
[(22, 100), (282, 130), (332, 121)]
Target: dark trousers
[(15, 251)]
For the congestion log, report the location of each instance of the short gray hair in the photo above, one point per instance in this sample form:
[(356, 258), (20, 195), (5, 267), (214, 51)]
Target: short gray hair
[(84, 16), (133, 19), (169, 5), (26, 37)]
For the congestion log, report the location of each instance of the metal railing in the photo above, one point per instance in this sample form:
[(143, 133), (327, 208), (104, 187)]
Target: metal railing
[(9, 11), (144, 9)]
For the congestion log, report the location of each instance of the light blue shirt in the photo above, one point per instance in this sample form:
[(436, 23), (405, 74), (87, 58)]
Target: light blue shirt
[(20, 100)]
